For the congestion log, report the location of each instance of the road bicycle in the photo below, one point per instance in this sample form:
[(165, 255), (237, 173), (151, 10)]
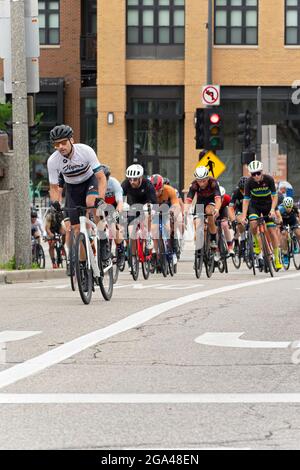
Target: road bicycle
[(293, 251), (222, 248), (165, 259), (90, 267), (205, 255), (38, 255)]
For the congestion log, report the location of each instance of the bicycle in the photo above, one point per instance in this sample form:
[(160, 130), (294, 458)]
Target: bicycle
[(223, 248), (165, 254), (90, 268), (249, 255), (140, 254), (37, 252), (267, 251), (293, 248), (205, 254), (60, 255)]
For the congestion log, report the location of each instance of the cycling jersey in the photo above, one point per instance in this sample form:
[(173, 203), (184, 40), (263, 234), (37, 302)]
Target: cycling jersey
[(260, 192), (142, 195), (237, 200), (78, 169), (210, 193), (114, 192), (289, 218), (168, 196), (54, 220)]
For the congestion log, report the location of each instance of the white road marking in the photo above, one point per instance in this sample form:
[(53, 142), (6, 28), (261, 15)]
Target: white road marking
[(231, 340), (7, 336), (147, 398), (59, 354)]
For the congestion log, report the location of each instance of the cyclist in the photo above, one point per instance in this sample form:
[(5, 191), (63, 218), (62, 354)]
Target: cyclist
[(54, 225), (207, 192), (223, 217), (235, 210), (114, 198), (167, 198), (181, 203), (138, 190), (81, 170), (290, 217), (261, 198), (36, 225), (285, 189)]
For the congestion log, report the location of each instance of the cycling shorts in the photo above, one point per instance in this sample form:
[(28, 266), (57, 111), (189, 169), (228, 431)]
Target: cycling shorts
[(76, 195)]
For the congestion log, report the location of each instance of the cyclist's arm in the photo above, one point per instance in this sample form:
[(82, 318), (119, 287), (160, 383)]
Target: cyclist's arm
[(118, 190), (274, 202), (102, 183), (218, 199), (231, 213), (246, 202), (55, 192)]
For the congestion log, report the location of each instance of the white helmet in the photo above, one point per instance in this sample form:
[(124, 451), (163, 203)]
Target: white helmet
[(254, 166), (201, 172), (288, 202), (222, 191), (134, 171)]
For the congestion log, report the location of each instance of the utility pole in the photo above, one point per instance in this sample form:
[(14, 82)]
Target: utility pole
[(20, 133)]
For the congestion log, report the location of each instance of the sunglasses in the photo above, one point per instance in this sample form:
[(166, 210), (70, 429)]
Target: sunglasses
[(56, 145), (256, 173), (133, 179)]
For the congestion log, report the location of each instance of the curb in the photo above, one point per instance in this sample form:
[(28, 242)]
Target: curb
[(30, 275)]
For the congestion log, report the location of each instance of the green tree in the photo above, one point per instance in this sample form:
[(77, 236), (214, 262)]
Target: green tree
[(5, 114)]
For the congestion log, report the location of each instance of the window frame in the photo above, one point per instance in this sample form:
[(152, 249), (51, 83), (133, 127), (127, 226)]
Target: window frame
[(156, 8), (228, 8), (46, 12), (286, 9)]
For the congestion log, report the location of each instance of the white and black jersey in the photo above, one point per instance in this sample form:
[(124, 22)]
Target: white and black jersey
[(78, 169)]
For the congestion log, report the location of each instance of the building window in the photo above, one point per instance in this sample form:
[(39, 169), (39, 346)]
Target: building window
[(292, 22), (49, 22), (159, 22), (236, 22)]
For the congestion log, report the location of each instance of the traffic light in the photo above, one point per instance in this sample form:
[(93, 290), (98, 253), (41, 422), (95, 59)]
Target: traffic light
[(33, 137), (244, 128), (199, 126), (214, 129)]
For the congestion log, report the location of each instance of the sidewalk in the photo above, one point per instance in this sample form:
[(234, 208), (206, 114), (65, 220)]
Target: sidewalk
[(30, 275)]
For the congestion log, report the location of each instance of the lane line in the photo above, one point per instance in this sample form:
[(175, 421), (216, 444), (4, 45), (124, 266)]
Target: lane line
[(59, 354), (148, 398)]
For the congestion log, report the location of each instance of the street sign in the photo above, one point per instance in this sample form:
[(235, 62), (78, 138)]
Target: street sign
[(32, 69), (213, 163), (211, 95), (31, 38)]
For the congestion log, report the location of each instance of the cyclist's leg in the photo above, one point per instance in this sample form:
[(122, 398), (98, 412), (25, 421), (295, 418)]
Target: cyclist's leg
[(209, 210)]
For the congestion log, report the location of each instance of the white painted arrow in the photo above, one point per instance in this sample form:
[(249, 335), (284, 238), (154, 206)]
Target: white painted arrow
[(232, 340), (7, 336)]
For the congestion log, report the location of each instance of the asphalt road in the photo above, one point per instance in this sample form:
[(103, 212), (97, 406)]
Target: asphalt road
[(136, 378)]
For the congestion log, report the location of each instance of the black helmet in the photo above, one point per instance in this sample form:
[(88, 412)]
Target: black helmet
[(61, 132), (242, 182), (33, 213), (106, 170)]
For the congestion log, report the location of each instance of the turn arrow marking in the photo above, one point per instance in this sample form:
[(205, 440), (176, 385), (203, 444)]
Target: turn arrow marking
[(232, 340)]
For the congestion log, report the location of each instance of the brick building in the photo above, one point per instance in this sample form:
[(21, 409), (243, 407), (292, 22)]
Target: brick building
[(152, 65)]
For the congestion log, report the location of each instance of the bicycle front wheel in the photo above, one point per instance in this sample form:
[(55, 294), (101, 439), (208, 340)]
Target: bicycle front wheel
[(83, 272), (72, 262), (266, 256), (40, 256), (296, 252)]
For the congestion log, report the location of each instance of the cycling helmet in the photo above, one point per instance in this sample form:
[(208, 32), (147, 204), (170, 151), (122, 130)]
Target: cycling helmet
[(61, 132), (166, 180), (157, 181), (242, 182), (254, 166), (288, 202), (222, 191), (33, 214), (201, 172), (106, 170), (134, 171)]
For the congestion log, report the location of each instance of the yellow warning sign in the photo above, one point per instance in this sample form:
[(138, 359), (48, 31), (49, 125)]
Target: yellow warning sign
[(213, 163)]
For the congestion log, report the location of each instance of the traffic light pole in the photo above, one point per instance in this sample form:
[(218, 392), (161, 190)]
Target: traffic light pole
[(209, 43), (259, 124), (20, 136)]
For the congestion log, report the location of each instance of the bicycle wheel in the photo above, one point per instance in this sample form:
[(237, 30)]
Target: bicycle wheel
[(40, 256), (83, 272), (59, 260), (163, 258), (199, 254), (72, 264), (266, 255), (237, 258), (106, 279), (286, 259), (146, 269), (295, 247), (222, 264), (115, 268), (134, 263), (171, 265)]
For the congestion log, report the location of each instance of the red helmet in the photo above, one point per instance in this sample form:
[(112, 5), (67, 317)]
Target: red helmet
[(157, 181)]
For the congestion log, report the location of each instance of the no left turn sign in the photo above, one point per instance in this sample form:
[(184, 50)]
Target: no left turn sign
[(211, 95)]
